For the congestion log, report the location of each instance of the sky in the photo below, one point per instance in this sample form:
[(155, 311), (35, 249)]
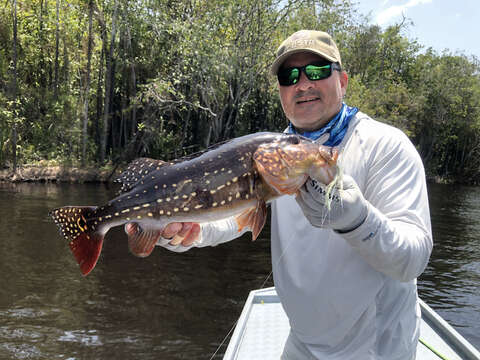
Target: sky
[(440, 24)]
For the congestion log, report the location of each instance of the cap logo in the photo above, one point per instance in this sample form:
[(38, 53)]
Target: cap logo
[(300, 43)]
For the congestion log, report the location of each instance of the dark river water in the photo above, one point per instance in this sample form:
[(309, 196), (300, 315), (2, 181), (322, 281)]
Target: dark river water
[(176, 306)]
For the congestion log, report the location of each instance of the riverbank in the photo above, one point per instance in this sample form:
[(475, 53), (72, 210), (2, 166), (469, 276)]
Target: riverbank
[(71, 174)]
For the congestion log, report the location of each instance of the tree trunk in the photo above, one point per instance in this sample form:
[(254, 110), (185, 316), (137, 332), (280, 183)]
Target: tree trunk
[(133, 85), (87, 85), (108, 88), (42, 70), (57, 41), (97, 135), (14, 88)]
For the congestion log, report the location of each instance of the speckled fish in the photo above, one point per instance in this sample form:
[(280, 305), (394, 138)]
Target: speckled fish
[(233, 179)]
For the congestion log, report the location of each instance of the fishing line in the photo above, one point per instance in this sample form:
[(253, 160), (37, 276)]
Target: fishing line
[(289, 242), (224, 339)]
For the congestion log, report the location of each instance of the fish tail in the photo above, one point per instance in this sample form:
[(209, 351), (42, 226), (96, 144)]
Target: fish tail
[(84, 240)]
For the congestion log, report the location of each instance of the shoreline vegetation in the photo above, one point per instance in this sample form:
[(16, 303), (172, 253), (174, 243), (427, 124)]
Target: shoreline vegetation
[(57, 174), (89, 85), (79, 175)]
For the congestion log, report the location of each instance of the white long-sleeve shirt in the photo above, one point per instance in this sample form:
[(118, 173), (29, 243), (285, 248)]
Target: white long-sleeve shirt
[(354, 295)]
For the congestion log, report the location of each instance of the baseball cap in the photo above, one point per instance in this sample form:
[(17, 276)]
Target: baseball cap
[(317, 42)]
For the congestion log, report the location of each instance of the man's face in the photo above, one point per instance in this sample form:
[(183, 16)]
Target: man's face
[(309, 105)]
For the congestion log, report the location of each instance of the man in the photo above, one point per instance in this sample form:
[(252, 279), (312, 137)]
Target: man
[(346, 275)]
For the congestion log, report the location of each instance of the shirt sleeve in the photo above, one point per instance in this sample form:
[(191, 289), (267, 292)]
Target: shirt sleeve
[(211, 234), (396, 237)]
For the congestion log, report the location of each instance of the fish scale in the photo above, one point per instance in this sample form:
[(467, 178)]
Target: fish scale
[(233, 179)]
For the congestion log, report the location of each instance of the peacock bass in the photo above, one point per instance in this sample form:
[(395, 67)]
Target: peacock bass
[(236, 178)]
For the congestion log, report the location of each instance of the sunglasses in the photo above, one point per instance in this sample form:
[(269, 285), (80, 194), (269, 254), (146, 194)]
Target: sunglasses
[(314, 72)]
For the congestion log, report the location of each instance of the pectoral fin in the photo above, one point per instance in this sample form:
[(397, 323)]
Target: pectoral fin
[(141, 242), (254, 218)]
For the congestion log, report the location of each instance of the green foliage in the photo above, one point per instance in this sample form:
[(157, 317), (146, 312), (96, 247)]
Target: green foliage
[(188, 74)]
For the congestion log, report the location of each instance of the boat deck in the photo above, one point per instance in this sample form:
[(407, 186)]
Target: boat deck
[(263, 327)]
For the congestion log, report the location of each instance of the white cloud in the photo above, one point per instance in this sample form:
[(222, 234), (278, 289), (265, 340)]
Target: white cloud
[(393, 11)]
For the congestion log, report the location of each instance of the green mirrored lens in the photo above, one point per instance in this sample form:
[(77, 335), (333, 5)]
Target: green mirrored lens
[(294, 76), (288, 76), (315, 72)]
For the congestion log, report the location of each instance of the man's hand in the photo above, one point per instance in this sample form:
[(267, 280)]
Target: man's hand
[(184, 233), (347, 209)]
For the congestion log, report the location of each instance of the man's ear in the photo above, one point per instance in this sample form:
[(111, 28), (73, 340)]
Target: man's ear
[(343, 82)]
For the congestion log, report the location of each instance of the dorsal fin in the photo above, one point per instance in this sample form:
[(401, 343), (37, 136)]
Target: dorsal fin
[(137, 170)]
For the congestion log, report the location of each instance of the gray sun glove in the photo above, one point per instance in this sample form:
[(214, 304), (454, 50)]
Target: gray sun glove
[(347, 210)]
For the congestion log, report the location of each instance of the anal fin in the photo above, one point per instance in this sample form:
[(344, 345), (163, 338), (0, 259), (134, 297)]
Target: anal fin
[(254, 218), (141, 242)]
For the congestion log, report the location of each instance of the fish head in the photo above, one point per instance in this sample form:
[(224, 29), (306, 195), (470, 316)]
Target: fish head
[(287, 162)]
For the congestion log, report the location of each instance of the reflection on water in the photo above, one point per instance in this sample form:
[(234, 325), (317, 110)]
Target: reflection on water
[(175, 306)]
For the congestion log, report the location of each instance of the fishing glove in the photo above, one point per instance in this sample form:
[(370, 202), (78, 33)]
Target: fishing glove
[(345, 210)]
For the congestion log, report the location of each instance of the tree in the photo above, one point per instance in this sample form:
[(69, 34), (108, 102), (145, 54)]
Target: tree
[(14, 86), (87, 85)]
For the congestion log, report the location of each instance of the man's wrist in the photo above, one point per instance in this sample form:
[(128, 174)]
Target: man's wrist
[(355, 224)]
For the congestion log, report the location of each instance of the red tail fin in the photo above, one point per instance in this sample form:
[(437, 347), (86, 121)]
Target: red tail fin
[(84, 241)]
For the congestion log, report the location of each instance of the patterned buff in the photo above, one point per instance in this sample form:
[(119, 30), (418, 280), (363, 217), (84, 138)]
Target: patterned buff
[(336, 128)]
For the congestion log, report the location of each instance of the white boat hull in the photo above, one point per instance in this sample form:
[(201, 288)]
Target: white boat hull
[(263, 327)]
